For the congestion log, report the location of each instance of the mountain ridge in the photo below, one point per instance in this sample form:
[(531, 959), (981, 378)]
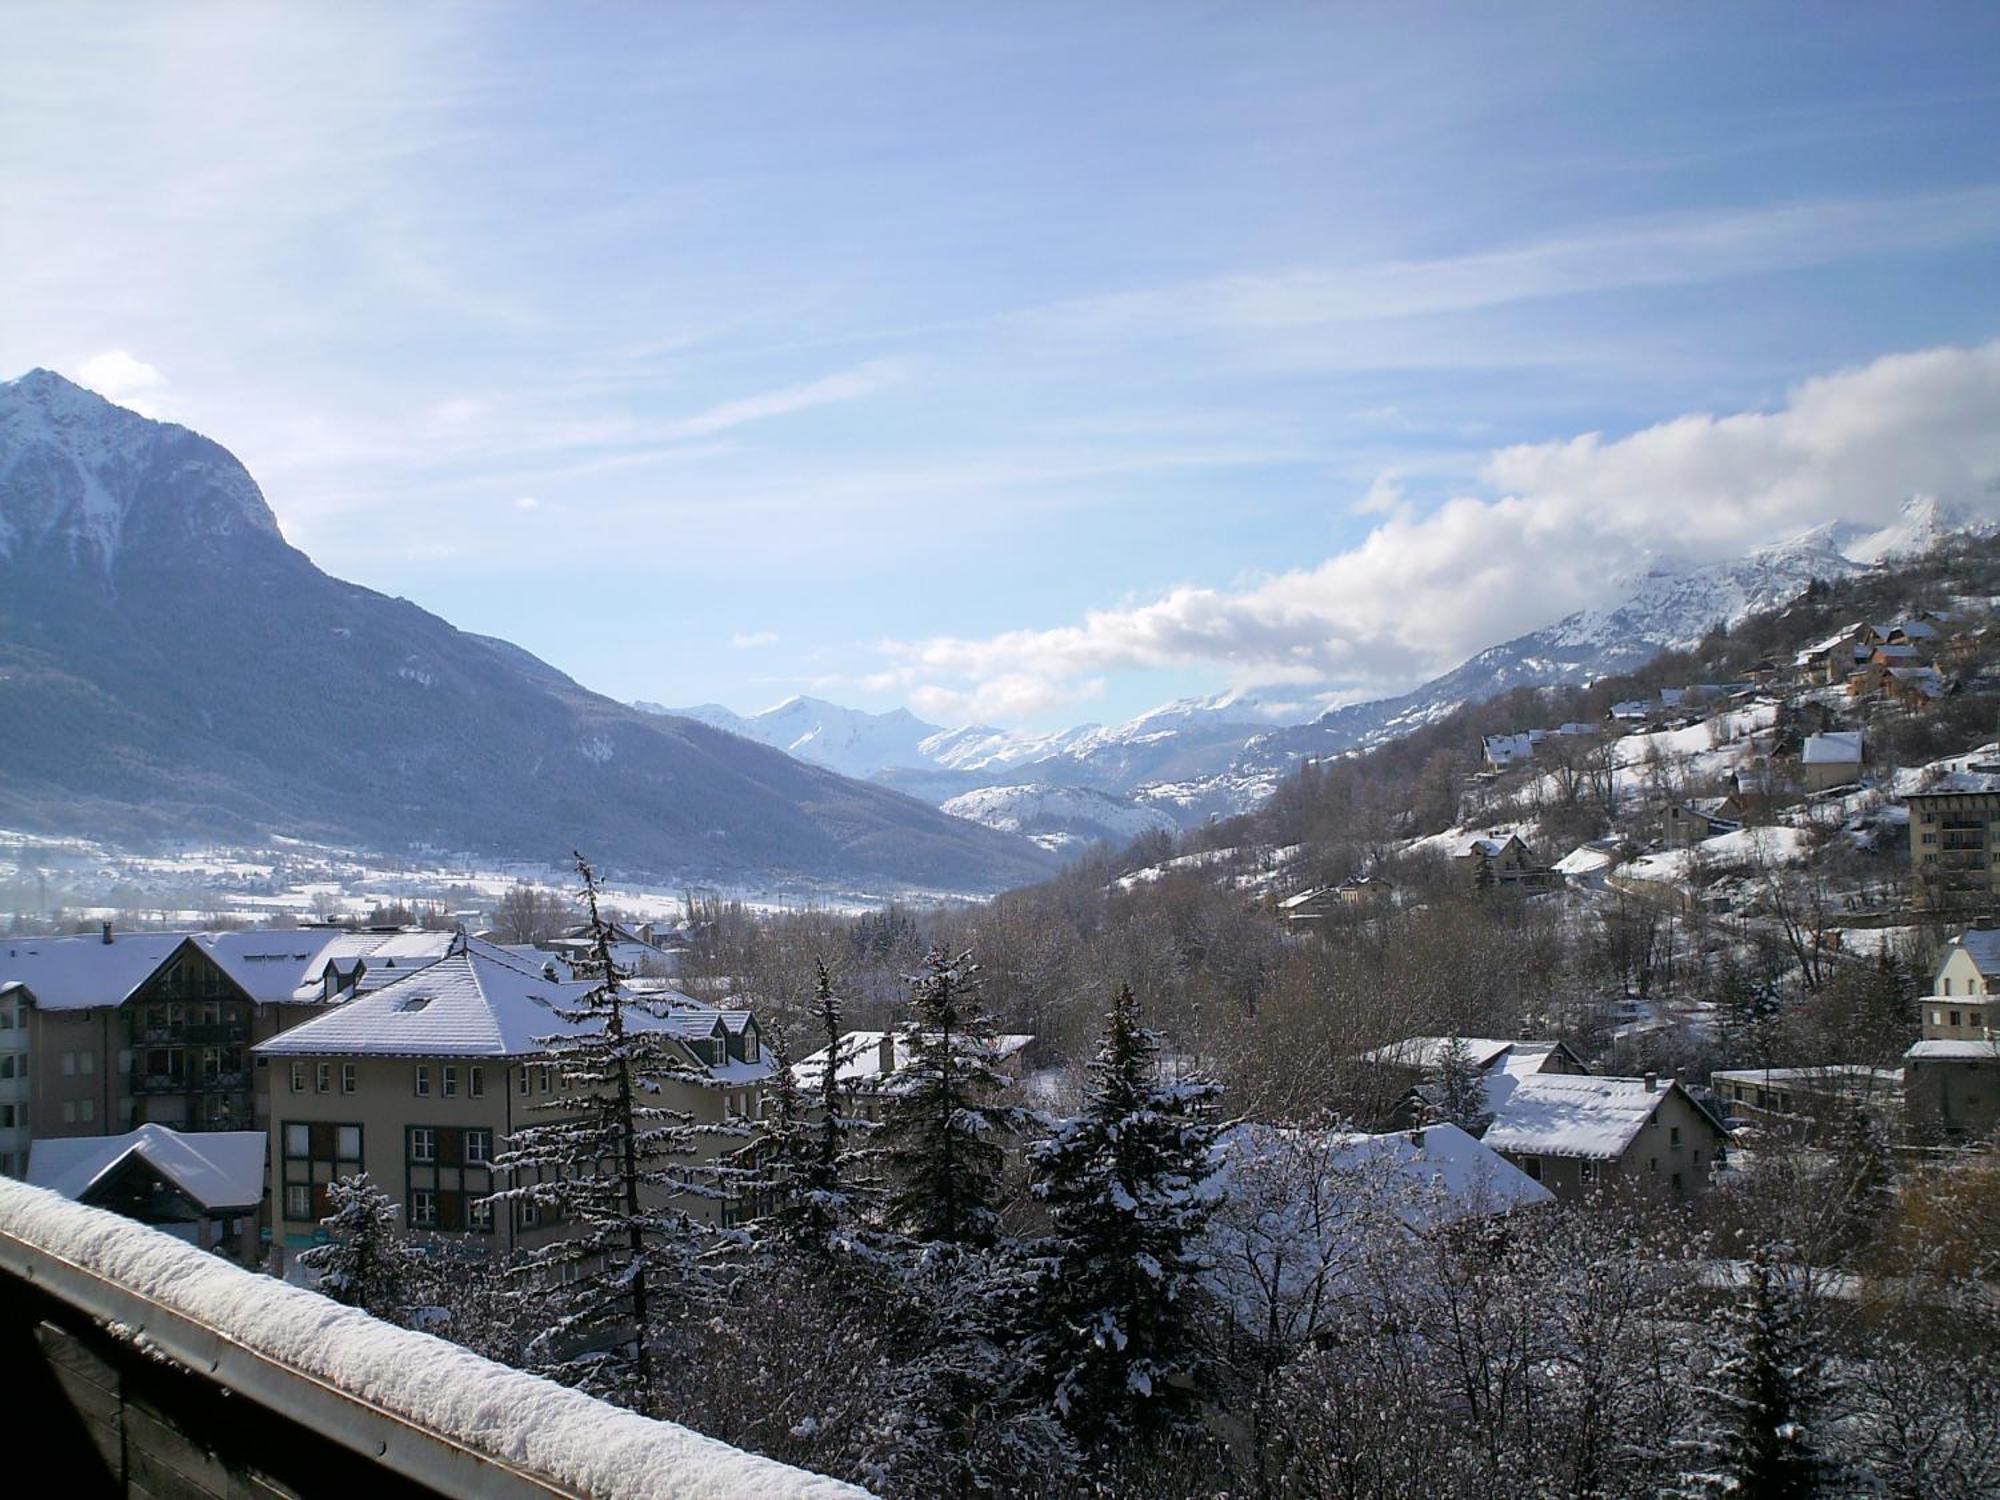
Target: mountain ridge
[(171, 664)]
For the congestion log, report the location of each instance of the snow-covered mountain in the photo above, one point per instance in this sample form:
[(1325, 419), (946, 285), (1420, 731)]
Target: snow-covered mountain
[(170, 665), (1060, 817), (851, 741)]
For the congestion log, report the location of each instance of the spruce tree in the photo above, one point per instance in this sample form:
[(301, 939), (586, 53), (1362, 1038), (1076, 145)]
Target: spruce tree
[(1124, 1186), (1458, 1088), (941, 1130), (368, 1263), (1766, 1393), (608, 1169)]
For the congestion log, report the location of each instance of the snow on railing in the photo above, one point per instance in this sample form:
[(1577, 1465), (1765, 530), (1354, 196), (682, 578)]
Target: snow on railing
[(413, 1403)]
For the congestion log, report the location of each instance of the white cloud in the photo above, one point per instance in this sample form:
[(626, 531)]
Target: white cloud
[(118, 376), (1565, 523), (526, 502), (847, 385), (751, 640)]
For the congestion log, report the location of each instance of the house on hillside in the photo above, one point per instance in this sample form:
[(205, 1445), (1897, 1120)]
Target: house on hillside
[(1407, 1069), (205, 1188), (1688, 823), (866, 1064), (1309, 906), (1951, 1075), (421, 1082), (1829, 661), (1831, 759), (1365, 890), (1504, 862), (1581, 1135), (1820, 1100)]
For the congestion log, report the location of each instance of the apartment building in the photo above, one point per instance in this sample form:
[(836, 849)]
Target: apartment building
[(1952, 842), (422, 1082), (103, 1033)]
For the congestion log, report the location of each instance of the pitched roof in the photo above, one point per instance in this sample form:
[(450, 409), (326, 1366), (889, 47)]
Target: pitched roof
[(1426, 1052), (482, 1001), (278, 964), (1836, 747), (1566, 1114), (861, 1056), (1982, 946), (216, 1169)]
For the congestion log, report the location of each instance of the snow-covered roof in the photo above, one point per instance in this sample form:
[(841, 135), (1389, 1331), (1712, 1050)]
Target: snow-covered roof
[(1820, 648), (1982, 946), (216, 1169), (1934, 1050), (1566, 1114), (1426, 1052), (478, 1001), (861, 1056), (271, 966), (1836, 747), (574, 1443), (1305, 898)]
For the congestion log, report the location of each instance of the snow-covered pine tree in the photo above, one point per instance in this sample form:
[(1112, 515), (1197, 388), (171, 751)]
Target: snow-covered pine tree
[(608, 1169), (940, 1127), (368, 1263), (1458, 1090), (1766, 1393), (1123, 1183)]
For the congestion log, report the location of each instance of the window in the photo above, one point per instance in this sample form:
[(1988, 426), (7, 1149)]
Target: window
[(347, 1143), (478, 1147), (1947, 987), (69, 1064), (450, 1081), (86, 1110), (7, 1116), (69, 1112), (298, 1140), (1673, 1135), (423, 1081), (548, 1077), (298, 1078), (475, 1082), (525, 1085), (323, 1078), (347, 1078), (423, 1210), (749, 1044), (316, 1152), (1937, 1018), (423, 1143), (86, 1061), (1954, 1018), (479, 1213), (298, 1201), (1533, 1167), (1586, 1171), (530, 1213)]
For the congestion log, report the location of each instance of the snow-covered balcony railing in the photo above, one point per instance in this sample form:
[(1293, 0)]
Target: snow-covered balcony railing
[(439, 1419)]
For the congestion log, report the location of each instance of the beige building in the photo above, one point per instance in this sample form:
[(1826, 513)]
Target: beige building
[(421, 1083), (1582, 1135), (1951, 1076), (1831, 759), (1952, 844), (1506, 863)]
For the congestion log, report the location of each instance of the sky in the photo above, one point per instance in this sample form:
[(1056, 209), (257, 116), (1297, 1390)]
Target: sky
[(1022, 364)]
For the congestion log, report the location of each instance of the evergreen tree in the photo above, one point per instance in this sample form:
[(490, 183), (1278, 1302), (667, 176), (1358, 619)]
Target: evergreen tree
[(940, 1128), (368, 1263), (1765, 1393), (1124, 1186), (609, 1168), (1458, 1088)]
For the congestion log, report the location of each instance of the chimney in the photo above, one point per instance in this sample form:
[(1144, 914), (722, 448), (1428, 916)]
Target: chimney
[(1417, 1137), (888, 1053), (107, 932), (1652, 1083)]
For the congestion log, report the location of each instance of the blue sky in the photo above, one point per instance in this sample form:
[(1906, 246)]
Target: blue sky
[(1027, 363)]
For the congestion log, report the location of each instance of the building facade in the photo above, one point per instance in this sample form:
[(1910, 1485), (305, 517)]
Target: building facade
[(1952, 847)]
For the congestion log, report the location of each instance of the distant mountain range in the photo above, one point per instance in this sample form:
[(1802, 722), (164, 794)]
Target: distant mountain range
[(1195, 757), (170, 665)]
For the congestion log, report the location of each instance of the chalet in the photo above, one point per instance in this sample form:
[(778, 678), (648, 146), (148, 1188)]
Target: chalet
[(1504, 750), (1831, 759), (1365, 890), (206, 1188), (421, 1082), (1504, 863), (1688, 823), (1309, 906), (1581, 1135)]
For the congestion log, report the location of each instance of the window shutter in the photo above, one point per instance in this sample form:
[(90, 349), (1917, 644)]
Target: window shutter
[(451, 1208), (450, 1146)]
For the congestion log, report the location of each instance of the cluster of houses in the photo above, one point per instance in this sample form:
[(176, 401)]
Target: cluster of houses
[(1896, 662), (216, 1083)]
